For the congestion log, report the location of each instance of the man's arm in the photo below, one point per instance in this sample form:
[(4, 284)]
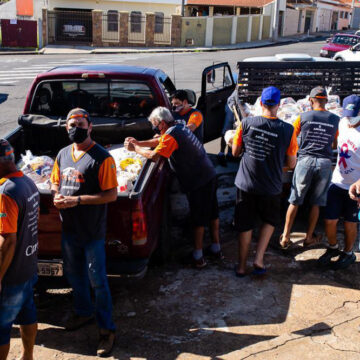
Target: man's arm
[(237, 144), (354, 191), (151, 143), (292, 151), (195, 120), (7, 251), (290, 161)]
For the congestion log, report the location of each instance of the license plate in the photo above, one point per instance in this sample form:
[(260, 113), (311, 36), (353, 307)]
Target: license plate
[(50, 269)]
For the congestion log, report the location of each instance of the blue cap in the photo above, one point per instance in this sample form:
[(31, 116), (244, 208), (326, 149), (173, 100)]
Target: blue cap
[(351, 106), (270, 96)]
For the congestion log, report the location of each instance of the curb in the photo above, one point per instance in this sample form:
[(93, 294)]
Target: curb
[(165, 50)]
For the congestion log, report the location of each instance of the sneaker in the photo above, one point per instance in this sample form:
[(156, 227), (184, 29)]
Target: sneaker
[(344, 261), (75, 321), (106, 342), (216, 256), (325, 259)]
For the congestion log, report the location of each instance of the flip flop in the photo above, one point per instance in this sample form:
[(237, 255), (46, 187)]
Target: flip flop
[(284, 244), (315, 240), (258, 270)]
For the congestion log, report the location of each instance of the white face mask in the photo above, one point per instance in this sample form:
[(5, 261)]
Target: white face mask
[(178, 108), (354, 120)]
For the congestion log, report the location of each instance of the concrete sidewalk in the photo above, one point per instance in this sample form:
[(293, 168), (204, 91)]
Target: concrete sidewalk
[(78, 49)]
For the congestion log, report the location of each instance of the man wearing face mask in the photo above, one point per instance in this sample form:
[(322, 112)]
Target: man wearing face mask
[(83, 182), (182, 110), (196, 175)]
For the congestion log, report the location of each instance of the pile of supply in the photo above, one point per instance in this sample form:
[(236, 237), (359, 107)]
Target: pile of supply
[(289, 110), (37, 168), (128, 166)]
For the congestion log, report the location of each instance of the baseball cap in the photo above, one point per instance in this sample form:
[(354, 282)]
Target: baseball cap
[(351, 106), (270, 96), (6, 151), (318, 92), (78, 112)]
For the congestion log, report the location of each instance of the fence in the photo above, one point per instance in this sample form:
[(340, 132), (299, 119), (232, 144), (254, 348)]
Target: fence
[(162, 33), (137, 26), (69, 26), (110, 26)]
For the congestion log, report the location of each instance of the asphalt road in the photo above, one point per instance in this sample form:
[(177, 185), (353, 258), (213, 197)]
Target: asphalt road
[(17, 72)]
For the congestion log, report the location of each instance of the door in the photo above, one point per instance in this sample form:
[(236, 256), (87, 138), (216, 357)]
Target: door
[(217, 84), (308, 21), (19, 33)]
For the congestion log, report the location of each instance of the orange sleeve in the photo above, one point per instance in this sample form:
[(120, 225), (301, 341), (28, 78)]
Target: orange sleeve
[(107, 174), (196, 118), (9, 212), (167, 146), (336, 135), (238, 136), (55, 174), (293, 147), (297, 126)]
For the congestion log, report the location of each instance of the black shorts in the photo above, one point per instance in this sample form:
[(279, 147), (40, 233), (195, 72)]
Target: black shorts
[(203, 204), (339, 205), (251, 207)]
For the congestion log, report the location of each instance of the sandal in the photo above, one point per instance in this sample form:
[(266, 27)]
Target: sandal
[(284, 244), (315, 240), (258, 270), (237, 274)]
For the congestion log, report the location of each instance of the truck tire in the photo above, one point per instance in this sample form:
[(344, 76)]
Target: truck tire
[(339, 59), (162, 254)]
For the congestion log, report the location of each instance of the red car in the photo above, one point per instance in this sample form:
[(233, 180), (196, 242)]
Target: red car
[(339, 42)]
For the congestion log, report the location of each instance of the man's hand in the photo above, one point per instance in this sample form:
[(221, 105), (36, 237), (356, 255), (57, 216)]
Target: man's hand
[(130, 143), (65, 202), (354, 191)]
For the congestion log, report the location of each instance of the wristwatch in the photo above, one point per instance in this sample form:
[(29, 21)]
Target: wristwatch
[(78, 200)]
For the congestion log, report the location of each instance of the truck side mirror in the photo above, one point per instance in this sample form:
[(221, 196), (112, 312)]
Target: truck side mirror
[(210, 77)]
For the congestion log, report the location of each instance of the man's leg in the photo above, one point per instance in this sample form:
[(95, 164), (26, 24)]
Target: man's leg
[(350, 235), (28, 336), (330, 231), (77, 275), (313, 219), (198, 236), (214, 230), (244, 247), (4, 351), (266, 231), (289, 222)]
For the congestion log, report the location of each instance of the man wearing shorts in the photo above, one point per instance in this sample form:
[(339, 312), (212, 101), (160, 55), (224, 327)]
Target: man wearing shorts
[(19, 207), (346, 172), (318, 130), (266, 142), (83, 183), (195, 172)]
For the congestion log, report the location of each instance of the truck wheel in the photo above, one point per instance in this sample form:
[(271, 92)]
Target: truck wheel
[(163, 251)]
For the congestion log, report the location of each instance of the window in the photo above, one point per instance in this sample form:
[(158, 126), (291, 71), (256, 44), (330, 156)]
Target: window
[(116, 99), (346, 14), (345, 40), (113, 23), (135, 21), (341, 15), (159, 22)]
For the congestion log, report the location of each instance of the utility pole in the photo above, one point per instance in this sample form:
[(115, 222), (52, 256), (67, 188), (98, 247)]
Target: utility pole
[(352, 14), (182, 8), (275, 22)]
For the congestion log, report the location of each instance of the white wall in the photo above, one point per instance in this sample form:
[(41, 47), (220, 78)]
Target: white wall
[(291, 22), (8, 10)]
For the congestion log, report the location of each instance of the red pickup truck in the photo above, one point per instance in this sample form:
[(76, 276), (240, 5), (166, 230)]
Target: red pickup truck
[(119, 100)]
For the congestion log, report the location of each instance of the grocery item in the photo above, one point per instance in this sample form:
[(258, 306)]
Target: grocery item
[(37, 168), (128, 166)]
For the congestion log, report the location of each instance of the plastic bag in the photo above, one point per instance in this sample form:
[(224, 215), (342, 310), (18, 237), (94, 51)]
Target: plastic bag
[(37, 168)]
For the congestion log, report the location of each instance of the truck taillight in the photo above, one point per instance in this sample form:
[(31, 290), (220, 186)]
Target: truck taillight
[(139, 229)]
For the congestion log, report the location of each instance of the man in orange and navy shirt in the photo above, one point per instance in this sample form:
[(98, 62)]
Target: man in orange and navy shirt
[(182, 110), (266, 142), (318, 131), (195, 172), (19, 208), (83, 182)]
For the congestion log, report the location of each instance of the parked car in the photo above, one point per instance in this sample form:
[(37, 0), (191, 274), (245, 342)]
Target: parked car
[(351, 54), (287, 57), (339, 42)]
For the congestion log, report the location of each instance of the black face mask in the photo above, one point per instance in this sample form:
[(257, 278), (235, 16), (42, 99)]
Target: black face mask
[(156, 129), (78, 135)]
